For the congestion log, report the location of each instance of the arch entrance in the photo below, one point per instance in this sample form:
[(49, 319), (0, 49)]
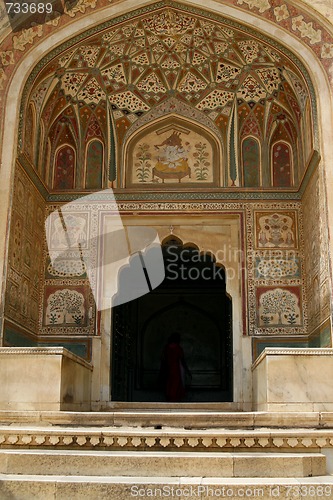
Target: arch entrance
[(192, 300)]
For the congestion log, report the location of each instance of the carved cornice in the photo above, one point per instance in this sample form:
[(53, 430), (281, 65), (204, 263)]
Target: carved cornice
[(292, 351), (43, 351), (132, 439)]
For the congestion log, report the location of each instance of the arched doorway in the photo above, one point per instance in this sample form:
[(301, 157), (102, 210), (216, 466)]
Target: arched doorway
[(191, 300)]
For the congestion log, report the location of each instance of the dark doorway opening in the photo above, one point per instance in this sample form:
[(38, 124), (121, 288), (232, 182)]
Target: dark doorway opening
[(192, 300)]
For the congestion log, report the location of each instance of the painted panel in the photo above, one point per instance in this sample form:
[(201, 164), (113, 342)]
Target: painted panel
[(172, 154), (251, 162), (29, 133), (277, 267), (64, 168), (279, 306), (276, 230), (281, 154), (65, 306)]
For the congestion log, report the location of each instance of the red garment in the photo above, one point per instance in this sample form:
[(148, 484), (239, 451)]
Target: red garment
[(175, 386)]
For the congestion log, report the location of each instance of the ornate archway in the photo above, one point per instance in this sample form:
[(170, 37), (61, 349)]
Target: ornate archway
[(191, 300)]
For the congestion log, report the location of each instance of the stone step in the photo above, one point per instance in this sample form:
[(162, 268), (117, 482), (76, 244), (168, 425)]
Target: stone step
[(124, 488), (128, 406), (195, 418), (157, 464)]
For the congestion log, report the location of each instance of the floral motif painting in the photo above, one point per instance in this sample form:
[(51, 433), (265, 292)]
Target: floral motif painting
[(68, 230), (67, 265), (279, 306), (277, 267), (65, 306), (172, 155), (276, 230)]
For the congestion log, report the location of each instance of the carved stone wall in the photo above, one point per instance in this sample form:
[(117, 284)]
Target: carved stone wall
[(25, 254), (316, 262)]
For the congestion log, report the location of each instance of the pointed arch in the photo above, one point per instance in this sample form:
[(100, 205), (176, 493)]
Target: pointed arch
[(64, 139), (251, 161), (64, 168), (40, 162), (282, 164), (94, 164)]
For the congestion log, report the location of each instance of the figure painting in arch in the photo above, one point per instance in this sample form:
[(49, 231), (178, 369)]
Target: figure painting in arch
[(173, 370), (64, 168), (172, 159)]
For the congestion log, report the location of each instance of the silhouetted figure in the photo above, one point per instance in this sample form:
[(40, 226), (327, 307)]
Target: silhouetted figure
[(173, 368)]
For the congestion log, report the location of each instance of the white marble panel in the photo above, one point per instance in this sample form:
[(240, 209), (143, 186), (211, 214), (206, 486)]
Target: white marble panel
[(293, 380), (47, 378)]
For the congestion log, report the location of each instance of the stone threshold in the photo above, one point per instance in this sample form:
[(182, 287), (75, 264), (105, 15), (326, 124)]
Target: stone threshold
[(48, 487), (182, 418), (159, 463)]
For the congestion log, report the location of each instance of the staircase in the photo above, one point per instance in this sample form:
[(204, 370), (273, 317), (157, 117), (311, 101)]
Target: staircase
[(155, 451)]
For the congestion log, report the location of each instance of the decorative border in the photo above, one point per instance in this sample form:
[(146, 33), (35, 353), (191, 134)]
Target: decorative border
[(186, 195), (237, 194), (44, 351), (116, 439)]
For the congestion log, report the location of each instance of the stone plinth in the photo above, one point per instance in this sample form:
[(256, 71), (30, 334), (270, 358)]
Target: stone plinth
[(43, 378), (293, 380)]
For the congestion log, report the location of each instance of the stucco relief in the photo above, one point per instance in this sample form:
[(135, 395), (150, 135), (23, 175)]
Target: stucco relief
[(324, 7), (261, 5)]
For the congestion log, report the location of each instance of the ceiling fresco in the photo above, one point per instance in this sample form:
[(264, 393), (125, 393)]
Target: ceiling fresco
[(170, 61)]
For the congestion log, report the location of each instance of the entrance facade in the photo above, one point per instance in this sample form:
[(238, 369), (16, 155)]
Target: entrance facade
[(240, 132)]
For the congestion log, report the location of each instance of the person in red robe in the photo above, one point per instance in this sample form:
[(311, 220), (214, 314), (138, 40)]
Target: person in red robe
[(173, 369)]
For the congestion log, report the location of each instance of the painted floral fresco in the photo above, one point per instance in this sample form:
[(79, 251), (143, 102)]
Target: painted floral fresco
[(276, 230), (279, 306), (65, 306)]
